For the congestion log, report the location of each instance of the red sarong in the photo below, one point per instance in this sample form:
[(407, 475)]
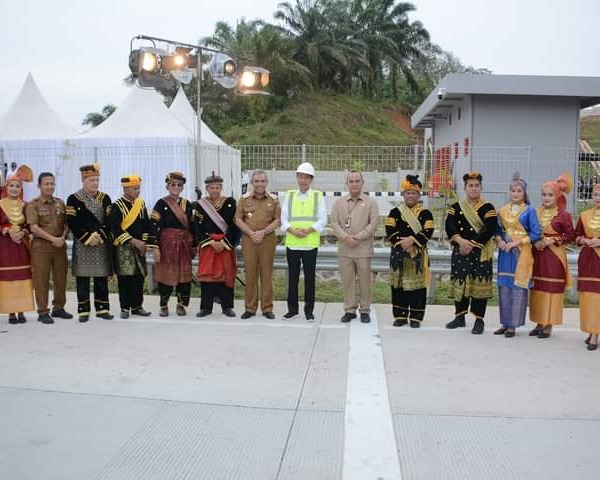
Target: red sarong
[(217, 267)]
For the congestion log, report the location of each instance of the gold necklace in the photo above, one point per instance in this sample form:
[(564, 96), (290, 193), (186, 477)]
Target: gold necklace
[(595, 220), (15, 211), (546, 216)]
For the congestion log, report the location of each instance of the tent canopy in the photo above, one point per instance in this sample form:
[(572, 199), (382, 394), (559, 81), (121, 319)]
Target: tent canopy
[(31, 117)]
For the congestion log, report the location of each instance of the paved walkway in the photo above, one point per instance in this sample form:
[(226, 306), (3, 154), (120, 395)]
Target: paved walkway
[(219, 398)]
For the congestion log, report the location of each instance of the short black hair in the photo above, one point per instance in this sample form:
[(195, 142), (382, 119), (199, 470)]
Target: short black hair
[(43, 175)]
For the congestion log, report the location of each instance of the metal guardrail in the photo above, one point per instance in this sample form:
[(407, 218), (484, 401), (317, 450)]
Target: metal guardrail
[(327, 260)]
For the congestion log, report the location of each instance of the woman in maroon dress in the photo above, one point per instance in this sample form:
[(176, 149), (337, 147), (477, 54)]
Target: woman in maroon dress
[(588, 279), (551, 274), (16, 292)]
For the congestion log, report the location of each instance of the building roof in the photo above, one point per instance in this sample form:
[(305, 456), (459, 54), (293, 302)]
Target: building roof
[(31, 117), (455, 86)]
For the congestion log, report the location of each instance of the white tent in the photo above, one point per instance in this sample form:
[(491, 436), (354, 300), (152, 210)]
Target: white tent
[(215, 154), (32, 133), (141, 137)]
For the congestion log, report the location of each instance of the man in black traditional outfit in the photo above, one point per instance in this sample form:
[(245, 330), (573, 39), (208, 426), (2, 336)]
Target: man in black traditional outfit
[(87, 212), (133, 235)]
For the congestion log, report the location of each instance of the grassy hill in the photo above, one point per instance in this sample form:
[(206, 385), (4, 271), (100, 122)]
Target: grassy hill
[(317, 119), (590, 131)]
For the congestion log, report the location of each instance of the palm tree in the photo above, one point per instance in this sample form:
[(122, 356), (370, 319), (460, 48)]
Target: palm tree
[(94, 118)]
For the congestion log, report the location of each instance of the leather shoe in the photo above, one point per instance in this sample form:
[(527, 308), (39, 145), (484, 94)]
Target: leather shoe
[(141, 312), (164, 312), (509, 333), (228, 312), (309, 317), (181, 311), (61, 313), (246, 315), (83, 318), (592, 346), (415, 324), (203, 313), (45, 318), (535, 332), (365, 318), (456, 323), (105, 316), (269, 315), (12, 319), (500, 331), (21, 318), (400, 323), (124, 314), (478, 327), (347, 317)]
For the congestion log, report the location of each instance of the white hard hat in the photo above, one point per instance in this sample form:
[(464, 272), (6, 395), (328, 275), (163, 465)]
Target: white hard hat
[(306, 168)]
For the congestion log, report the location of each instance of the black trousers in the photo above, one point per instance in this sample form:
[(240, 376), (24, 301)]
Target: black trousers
[(100, 295), (183, 293), (409, 304), (210, 290), (478, 306), (131, 291), (308, 259)]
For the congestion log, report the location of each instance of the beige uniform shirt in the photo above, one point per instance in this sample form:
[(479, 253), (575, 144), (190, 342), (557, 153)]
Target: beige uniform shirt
[(357, 217), (257, 213), (48, 214)]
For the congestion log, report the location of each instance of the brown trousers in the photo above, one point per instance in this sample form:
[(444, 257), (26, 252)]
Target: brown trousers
[(350, 270), (258, 262), (45, 259)]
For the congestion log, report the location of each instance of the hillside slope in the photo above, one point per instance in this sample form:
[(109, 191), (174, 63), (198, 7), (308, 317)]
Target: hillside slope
[(327, 120), (590, 131)]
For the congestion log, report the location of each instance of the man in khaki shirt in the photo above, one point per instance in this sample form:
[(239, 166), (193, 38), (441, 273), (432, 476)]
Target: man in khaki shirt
[(354, 218), (46, 216), (257, 216)]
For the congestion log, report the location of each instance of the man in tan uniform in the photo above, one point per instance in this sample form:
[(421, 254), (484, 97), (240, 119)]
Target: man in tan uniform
[(46, 216), (258, 216), (354, 218)]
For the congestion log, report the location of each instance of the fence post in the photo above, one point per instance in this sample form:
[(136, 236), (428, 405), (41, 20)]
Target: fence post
[(303, 152)]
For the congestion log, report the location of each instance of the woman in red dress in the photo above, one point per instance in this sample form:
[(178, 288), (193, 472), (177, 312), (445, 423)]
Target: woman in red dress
[(588, 280), (16, 292), (551, 276)]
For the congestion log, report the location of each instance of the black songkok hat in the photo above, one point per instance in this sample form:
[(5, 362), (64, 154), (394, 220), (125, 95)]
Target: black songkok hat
[(214, 178)]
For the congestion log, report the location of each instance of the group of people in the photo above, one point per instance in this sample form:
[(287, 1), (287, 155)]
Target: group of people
[(114, 238)]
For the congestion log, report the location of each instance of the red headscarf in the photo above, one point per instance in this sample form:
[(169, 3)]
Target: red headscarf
[(23, 174), (561, 186)]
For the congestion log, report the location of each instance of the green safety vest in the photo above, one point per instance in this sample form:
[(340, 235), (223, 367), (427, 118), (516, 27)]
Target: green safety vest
[(303, 214)]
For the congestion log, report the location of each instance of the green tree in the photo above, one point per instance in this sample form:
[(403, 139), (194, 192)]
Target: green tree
[(94, 118)]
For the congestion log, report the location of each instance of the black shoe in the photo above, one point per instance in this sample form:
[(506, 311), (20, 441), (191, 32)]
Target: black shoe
[(85, 318), (141, 312), (400, 323), (21, 318), (509, 333), (592, 346), (415, 324), (246, 315), (124, 313), (365, 318), (228, 312), (203, 313), (45, 318), (290, 315), (347, 317), (478, 327), (164, 311), (12, 319), (456, 323), (501, 331), (180, 311), (105, 316), (61, 313), (309, 317), (269, 315)]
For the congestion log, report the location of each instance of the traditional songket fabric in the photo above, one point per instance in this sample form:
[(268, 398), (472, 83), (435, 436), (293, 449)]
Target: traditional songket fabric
[(515, 268), (16, 289), (551, 274), (588, 280), (409, 274), (173, 221), (216, 267), (471, 275)]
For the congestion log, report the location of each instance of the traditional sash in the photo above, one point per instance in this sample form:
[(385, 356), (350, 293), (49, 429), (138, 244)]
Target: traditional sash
[(132, 215), (177, 210), (472, 217), (516, 231), (413, 222), (560, 252), (590, 231), (213, 214)]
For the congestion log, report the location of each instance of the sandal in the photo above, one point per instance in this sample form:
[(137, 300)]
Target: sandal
[(501, 331)]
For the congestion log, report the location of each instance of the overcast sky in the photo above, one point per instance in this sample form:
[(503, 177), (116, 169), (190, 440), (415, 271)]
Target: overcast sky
[(77, 51)]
